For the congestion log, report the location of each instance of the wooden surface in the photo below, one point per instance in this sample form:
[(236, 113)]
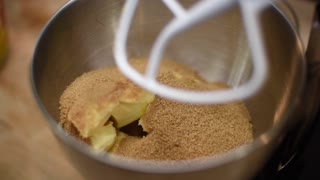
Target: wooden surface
[(28, 149)]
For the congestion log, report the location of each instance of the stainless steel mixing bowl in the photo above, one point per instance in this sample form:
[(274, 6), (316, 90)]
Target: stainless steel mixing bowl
[(79, 38)]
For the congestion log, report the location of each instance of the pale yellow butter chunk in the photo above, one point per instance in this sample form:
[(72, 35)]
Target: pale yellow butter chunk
[(103, 138), (124, 101), (92, 117), (128, 111)]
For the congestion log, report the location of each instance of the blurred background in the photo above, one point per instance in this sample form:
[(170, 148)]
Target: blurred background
[(28, 149)]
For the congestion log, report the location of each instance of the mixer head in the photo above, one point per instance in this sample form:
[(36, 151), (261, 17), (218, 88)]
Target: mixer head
[(185, 19)]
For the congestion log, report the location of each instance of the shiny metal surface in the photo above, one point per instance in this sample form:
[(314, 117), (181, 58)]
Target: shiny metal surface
[(80, 38)]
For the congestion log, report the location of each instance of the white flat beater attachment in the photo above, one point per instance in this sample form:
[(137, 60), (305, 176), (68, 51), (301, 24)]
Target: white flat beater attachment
[(183, 20)]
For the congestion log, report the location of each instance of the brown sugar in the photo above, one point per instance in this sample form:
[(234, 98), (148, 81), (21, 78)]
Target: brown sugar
[(176, 131)]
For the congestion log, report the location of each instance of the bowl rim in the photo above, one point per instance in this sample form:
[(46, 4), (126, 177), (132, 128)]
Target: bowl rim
[(148, 166)]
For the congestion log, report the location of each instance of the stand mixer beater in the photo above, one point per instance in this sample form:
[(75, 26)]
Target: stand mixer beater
[(185, 19)]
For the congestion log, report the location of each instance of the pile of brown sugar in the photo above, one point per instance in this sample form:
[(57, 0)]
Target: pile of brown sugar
[(176, 131)]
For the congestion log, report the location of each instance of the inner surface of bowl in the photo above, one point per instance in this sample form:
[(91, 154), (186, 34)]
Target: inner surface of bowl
[(80, 39)]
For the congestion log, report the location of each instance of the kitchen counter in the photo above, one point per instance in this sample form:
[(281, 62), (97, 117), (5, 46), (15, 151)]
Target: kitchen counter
[(28, 148)]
